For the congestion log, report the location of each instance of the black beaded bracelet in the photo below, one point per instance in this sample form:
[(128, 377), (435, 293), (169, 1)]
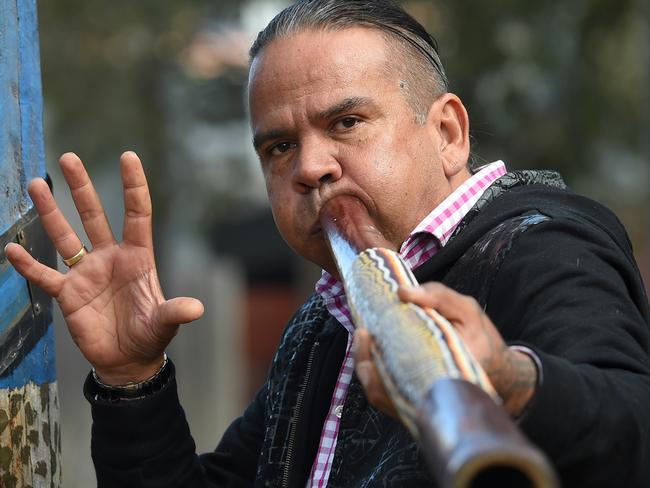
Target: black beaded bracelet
[(132, 390)]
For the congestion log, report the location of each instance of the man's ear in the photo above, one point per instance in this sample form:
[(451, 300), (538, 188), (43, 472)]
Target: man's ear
[(449, 125)]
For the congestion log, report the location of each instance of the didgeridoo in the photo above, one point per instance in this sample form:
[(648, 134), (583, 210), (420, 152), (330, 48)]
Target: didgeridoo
[(441, 393)]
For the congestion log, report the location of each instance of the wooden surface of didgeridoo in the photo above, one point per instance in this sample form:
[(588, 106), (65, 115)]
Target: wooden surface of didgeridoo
[(440, 392)]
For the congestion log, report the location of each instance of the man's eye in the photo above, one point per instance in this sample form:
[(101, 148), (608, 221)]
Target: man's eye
[(281, 148), (345, 123)]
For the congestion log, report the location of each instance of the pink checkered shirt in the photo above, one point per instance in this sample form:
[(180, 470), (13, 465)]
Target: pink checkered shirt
[(423, 242)]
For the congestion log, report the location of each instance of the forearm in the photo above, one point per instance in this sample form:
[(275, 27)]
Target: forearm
[(592, 422), (147, 442), (569, 300), (516, 380), (146, 439)]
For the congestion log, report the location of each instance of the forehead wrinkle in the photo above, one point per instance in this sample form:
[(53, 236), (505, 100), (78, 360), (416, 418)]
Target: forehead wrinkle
[(295, 88)]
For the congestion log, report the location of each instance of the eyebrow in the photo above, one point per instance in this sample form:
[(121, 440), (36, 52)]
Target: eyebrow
[(262, 137), (340, 108), (343, 106)]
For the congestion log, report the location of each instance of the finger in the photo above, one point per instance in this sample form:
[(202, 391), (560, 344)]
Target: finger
[(449, 303), (369, 375), (137, 202), (372, 384), (46, 278), (181, 310), (86, 200), (374, 387), (361, 345), (64, 238)]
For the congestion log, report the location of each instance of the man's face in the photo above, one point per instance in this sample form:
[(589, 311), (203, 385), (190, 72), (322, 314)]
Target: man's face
[(329, 118)]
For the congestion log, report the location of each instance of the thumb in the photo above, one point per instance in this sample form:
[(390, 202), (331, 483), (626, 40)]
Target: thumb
[(180, 310)]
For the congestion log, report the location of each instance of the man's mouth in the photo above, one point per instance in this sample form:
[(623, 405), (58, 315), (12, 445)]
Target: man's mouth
[(346, 217)]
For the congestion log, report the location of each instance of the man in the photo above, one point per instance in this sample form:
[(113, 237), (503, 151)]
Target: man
[(350, 98)]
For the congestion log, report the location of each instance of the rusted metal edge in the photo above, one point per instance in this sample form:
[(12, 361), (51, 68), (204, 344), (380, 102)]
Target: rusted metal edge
[(13, 233), (20, 337)]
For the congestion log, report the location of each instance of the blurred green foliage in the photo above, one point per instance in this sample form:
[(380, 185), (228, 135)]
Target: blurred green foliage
[(560, 85), (103, 64), (551, 81)]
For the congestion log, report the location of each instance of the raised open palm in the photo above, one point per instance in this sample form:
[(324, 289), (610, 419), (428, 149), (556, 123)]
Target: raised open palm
[(111, 299)]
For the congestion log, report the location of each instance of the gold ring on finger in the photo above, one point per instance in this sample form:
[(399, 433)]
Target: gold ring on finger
[(70, 262)]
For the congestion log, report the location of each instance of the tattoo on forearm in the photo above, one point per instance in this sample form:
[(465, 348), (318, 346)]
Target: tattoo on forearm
[(513, 375)]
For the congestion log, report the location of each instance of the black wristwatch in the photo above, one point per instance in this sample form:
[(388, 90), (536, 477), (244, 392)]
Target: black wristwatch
[(130, 391)]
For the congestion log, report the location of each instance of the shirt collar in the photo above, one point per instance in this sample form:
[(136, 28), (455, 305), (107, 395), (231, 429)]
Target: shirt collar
[(443, 220)]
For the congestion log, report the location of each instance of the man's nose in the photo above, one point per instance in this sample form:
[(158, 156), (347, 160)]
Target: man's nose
[(316, 164)]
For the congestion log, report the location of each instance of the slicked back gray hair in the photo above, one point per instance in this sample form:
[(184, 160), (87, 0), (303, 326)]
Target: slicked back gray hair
[(416, 56)]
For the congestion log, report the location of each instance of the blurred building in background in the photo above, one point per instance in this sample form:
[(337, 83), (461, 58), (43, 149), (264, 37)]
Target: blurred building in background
[(547, 84)]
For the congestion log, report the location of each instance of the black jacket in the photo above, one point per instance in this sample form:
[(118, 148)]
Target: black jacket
[(554, 271)]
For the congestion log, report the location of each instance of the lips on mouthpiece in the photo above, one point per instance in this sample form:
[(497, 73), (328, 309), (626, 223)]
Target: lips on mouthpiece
[(346, 217)]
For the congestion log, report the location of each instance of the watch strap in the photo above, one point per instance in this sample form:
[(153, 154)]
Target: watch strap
[(130, 391)]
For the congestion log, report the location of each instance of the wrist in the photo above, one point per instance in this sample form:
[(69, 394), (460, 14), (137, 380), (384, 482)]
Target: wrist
[(516, 381), (521, 382), (99, 391), (130, 374)]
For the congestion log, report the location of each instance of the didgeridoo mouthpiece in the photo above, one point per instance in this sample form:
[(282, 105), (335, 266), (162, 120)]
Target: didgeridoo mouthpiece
[(348, 217)]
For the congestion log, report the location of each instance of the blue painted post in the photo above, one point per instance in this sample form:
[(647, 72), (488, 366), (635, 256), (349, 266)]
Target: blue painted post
[(29, 427)]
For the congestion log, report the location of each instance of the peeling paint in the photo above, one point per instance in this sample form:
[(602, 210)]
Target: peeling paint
[(5, 458), (9, 481), (30, 414), (41, 469), (4, 420), (14, 404), (17, 435), (33, 437), (44, 396), (46, 433), (24, 454), (30, 440), (29, 449)]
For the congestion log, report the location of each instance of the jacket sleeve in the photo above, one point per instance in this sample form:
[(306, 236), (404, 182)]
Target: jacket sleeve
[(571, 291), (147, 443)]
